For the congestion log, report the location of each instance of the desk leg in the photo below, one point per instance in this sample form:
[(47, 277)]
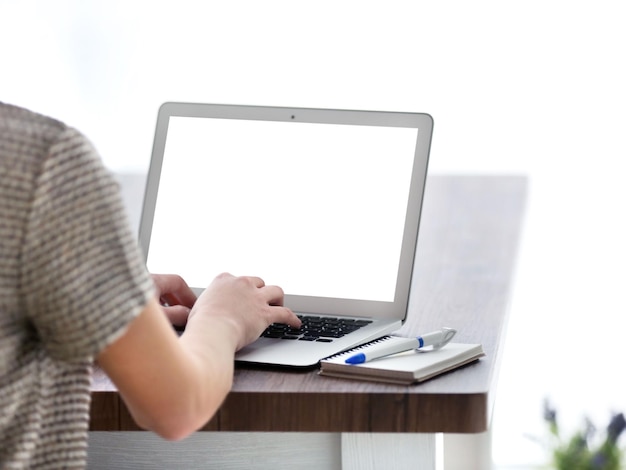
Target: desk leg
[(467, 451), (391, 451)]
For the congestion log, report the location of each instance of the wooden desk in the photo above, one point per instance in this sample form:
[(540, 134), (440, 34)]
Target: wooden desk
[(463, 278)]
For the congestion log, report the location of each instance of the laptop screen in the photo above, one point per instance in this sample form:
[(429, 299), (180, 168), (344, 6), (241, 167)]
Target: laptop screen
[(316, 208)]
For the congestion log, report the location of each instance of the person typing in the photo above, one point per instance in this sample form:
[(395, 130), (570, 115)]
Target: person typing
[(74, 289)]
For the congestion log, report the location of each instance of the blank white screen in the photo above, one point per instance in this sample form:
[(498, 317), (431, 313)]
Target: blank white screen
[(318, 209)]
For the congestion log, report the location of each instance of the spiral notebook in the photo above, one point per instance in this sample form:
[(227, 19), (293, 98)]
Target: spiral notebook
[(403, 368)]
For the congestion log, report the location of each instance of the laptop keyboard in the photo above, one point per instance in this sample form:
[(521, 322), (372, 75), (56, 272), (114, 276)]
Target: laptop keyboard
[(322, 329)]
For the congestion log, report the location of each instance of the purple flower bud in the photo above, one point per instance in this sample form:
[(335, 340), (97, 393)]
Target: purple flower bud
[(549, 413), (599, 460), (616, 427)]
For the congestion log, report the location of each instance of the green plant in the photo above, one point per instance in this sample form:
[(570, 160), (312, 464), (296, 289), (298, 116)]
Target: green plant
[(585, 450)]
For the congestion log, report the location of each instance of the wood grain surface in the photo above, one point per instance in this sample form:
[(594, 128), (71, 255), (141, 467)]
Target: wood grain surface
[(462, 278)]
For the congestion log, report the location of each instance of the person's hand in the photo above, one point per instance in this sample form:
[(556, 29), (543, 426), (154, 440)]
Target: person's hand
[(246, 304), (175, 296)]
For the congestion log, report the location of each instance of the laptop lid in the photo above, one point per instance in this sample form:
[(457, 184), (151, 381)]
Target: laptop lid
[(324, 203)]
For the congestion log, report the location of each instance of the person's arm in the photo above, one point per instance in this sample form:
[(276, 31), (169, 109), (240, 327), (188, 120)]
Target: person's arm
[(174, 386)]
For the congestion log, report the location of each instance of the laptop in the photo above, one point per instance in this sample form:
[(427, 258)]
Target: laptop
[(324, 203)]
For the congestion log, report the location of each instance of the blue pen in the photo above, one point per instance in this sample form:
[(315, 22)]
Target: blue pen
[(437, 339)]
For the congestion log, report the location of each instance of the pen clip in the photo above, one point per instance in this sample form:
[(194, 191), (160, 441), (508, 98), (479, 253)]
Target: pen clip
[(446, 336)]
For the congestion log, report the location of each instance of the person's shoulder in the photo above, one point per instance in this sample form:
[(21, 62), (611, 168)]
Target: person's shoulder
[(20, 120), (20, 113)]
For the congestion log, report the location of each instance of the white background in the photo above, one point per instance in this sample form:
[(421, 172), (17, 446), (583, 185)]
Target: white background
[(533, 87)]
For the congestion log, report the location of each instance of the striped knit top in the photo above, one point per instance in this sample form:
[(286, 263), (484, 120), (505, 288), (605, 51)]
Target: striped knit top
[(71, 280)]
